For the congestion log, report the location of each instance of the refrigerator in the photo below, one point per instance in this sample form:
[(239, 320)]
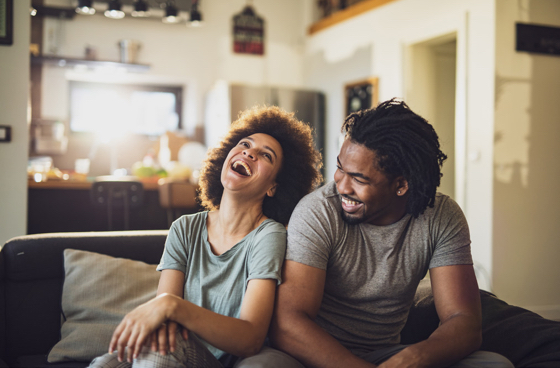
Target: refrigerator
[(226, 100)]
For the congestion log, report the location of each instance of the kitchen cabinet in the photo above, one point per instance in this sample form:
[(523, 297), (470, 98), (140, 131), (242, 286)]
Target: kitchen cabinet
[(65, 206)]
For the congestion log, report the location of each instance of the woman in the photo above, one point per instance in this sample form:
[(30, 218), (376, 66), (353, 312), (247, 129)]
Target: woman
[(220, 267)]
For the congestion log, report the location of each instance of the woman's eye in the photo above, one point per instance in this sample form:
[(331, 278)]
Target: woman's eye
[(268, 156), (244, 144)]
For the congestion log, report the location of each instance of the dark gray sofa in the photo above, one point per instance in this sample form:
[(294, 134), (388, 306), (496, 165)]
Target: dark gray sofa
[(32, 274)]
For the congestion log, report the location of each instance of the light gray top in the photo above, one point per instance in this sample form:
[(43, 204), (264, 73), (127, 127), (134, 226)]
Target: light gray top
[(218, 283), (373, 271)]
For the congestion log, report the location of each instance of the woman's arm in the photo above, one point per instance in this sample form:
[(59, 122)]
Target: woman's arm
[(171, 282), (241, 336)]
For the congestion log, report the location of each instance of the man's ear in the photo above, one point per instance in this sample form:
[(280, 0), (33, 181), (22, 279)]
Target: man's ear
[(401, 185), (272, 191)]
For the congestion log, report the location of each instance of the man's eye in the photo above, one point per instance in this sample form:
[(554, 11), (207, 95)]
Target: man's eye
[(359, 181)]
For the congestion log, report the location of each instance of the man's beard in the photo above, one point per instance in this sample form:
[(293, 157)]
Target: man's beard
[(352, 220)]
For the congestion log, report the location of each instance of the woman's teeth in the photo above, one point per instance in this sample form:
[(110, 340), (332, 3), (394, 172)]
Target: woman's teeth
[(244, 166), (349, 202)]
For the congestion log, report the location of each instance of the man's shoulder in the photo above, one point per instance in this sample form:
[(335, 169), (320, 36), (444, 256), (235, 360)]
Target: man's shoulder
[(326, 192), (322, 202)]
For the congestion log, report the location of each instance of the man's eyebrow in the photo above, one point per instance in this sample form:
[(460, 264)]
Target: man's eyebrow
[(355, 174), (267, 147)]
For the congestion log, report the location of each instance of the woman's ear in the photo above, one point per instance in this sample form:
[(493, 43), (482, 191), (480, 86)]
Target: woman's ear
[(272, 191), (401, 186)]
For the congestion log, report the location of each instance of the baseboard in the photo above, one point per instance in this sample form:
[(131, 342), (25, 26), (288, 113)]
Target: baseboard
[(547, 311)]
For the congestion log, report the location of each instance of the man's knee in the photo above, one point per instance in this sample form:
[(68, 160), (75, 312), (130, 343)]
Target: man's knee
[(269, 358), (484, 359)]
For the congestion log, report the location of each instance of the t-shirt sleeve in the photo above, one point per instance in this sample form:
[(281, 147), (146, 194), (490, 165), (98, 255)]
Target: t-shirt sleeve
[(312, 232), (451, 236), (175, 253), (268, 252)]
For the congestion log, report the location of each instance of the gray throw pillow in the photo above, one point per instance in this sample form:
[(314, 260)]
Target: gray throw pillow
[(98, 291)]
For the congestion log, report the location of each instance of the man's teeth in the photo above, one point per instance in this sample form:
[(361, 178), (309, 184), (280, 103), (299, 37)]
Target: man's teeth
[(245, 166), (349, 202)]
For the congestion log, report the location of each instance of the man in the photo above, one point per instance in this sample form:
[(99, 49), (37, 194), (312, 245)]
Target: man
[(359, 246)]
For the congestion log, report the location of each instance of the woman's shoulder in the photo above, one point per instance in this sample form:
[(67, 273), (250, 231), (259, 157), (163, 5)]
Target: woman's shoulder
[(270, 226)]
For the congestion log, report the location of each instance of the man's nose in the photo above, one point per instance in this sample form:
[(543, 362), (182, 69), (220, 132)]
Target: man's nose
[(343, 183)]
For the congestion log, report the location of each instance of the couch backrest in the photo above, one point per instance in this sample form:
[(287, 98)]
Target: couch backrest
[(32, 275)]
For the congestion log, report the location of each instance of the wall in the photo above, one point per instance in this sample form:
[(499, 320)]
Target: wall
[(527, 131), (14, 89), (387, 32), (192, 57)]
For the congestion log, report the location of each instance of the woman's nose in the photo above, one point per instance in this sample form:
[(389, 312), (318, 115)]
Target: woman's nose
[(249, 153)]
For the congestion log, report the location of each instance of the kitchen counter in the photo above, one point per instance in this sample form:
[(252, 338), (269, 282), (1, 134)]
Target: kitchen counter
[(78, 184)]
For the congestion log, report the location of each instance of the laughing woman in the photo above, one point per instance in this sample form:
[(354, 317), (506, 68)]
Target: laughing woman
[(220, 267)]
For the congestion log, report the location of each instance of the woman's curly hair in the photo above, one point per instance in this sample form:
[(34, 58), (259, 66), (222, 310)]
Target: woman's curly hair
[(405, 144), (298, 175)]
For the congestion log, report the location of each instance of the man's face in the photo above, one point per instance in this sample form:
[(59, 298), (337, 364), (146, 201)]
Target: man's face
[(367, 194)]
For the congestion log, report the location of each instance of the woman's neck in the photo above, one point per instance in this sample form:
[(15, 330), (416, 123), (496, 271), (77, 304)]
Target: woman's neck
[(232, 222)]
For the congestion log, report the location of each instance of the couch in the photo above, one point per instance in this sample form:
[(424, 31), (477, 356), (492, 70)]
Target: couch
[(32, 280)]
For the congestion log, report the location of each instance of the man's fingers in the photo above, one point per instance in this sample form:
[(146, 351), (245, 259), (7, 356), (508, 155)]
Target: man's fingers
[(185, 333)]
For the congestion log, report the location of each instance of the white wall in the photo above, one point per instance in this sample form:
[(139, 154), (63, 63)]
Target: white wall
[(14, 89), (527, 131), (386, 32), (193, 57)]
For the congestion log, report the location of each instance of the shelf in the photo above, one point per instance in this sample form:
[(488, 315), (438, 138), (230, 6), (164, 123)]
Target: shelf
[(64, 62), (349, 12)]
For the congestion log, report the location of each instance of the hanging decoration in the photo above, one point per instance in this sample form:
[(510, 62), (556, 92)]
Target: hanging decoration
[(248, 32)]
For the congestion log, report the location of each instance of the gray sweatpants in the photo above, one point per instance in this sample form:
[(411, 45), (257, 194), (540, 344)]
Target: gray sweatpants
[(272, 358)]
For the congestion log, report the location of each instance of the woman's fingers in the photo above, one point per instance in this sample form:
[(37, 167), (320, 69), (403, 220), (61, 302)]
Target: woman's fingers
[(185, 333), (171, 331), (162, 339)]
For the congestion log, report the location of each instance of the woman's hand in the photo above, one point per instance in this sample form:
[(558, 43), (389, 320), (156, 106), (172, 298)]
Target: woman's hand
[(136, 326), (164, 339)]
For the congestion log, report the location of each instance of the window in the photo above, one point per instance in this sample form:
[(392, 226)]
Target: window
[(115, 109)]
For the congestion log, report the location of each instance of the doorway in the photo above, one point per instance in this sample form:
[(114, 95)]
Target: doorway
[(430, 75)]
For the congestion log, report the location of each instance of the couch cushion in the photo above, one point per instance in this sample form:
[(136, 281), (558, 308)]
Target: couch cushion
[(98, 291)]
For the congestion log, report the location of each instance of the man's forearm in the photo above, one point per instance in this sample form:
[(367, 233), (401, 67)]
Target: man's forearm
[(450, 342), (303, 339)]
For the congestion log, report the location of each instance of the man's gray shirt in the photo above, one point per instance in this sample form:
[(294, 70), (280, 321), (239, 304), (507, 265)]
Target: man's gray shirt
[(372, 272)]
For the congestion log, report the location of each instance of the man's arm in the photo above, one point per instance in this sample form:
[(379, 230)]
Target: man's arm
[(457, 300), (293, 329)]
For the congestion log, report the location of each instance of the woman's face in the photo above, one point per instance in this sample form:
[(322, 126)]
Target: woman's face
[(252, 165)]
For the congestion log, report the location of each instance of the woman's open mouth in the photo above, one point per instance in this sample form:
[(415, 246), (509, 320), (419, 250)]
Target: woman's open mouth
[(241, 168)]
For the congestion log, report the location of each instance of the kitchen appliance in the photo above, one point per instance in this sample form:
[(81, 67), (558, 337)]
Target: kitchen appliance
[(225, 101)]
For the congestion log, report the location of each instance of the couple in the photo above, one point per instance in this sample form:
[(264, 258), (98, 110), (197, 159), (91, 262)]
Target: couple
[(356, 250)]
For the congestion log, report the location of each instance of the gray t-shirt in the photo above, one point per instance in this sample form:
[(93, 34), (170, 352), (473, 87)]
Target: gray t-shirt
[(218, 283), (373, 271)]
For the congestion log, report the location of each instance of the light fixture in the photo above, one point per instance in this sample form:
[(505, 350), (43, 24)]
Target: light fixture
[(32, 11), (85, 7), (140, 9), (196, 17), (171, 14), (114, 11)]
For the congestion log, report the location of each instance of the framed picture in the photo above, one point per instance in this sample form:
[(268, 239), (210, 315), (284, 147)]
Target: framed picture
[(361, 95), (6, 22)]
